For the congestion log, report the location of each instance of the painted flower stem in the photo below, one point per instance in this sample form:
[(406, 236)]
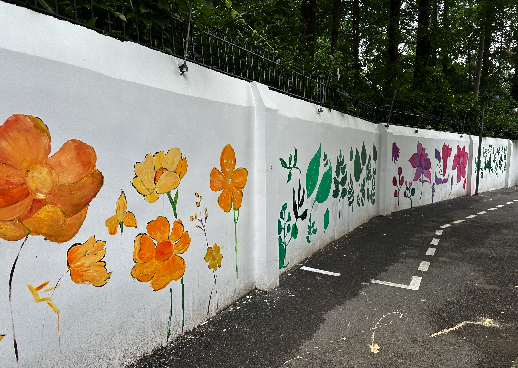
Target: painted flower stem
[(216, 294), (173, 202), (10, 299), (183, 304), (235, 235), (170, 315)]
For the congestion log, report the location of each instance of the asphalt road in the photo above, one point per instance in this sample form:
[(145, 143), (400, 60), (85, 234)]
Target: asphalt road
[(388, 307)]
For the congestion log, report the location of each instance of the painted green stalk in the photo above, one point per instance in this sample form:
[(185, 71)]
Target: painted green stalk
[(235, 234), (183, 305), (170, 315)]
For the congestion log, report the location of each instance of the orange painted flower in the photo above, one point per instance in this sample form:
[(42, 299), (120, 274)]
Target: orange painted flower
[(122, 216), (85, 265), (230, 181), (35, 291), (41, 195), (159, 174), (156, 255), (213, 257)]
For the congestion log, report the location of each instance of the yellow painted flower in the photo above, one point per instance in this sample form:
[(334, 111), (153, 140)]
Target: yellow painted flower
[(85, 265), (36, 295), (213, 257), (231, 182), (122, 216), (1, 337), (159, 174)]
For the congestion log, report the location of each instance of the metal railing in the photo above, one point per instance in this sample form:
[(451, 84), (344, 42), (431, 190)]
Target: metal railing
[(158, 27)]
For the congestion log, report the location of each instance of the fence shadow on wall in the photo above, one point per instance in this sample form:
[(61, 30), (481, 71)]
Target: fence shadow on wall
[(160, 27)]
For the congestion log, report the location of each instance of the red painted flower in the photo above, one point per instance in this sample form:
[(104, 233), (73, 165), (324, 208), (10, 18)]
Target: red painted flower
[(41, 195), (460, 160)]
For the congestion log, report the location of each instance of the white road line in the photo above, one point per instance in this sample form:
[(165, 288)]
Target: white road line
[(435, 241), (516, 200), (491, 209), (509, 203), (481, 213), (445, 226), (414, 284), (424, 266), (438, 232), (500, 205), (458, 221), (430, 252), (471, 216), (319, 271)]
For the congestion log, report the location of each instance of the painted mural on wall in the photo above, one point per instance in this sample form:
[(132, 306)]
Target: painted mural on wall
[(336, 188), (47, 197), (421, 172), (492, 161)]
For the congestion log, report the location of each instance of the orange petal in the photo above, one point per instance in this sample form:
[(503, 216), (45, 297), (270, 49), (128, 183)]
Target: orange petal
[(146, 172), (16, 210), (87, 261), (183, 244), (73, 161), (237, 197), (129, 220), (170, 270), (158, 158), (121, 206), (208, 255), (69, 228), (168, 181), (78, 250), (11, 177), (152, 198), (24, 141), (172, 159), (182, 168), (225, 200), (10, 230), (112, 224), (164, 250), (96, 275), (144, 249), (217, 180), (159, 229), (53, 307), (227, 160), (176, 231), (46, 221), (145, 271), (239, 178), (11, 196), (73, 198)]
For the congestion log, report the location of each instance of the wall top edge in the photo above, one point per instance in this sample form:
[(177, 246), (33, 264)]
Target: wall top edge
[(50, 38)]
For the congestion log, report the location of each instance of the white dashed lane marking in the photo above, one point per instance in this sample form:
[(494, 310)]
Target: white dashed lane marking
[(500, 205), (491, 209), (319, 271), (435, 241), (445, 226), (424, 266), (471, 216), (430, 252), (458, 221), (481, 213), (438, 232)]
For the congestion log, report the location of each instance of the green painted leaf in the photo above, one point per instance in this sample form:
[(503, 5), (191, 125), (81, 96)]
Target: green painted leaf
[(284, 207), (374, 153), (295, 158), (294, 231), (283, 163), (324, 187), (288, 229), (364, 155), (279, 227), (313, 172), (282, 254), (326, 219), (351, 155), (357, 167), (289, 177), (412, 192)]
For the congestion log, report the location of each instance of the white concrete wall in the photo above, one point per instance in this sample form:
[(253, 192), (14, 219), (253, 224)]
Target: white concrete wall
[(126, 102)]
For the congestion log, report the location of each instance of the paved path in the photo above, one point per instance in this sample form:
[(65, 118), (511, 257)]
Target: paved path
[(434, 286)]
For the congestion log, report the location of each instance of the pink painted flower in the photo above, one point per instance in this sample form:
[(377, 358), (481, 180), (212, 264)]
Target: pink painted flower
[(421, 163), (460, 160)]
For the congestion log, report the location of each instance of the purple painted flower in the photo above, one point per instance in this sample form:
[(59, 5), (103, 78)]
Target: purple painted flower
[(437, 155), (395, 152), (438, 180), (421, 163)]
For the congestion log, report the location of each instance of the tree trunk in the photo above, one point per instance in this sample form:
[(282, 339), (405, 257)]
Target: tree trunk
[(393, 39), (309, 20), (356, 38), (423, 48), (336, 25)]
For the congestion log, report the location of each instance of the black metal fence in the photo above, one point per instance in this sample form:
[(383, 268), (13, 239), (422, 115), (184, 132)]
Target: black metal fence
[(158, 27)]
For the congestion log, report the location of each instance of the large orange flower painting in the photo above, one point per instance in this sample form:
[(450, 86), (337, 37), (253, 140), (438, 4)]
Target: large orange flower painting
[(156, 253), (41, 195)]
